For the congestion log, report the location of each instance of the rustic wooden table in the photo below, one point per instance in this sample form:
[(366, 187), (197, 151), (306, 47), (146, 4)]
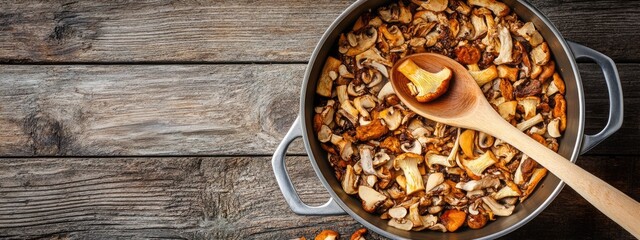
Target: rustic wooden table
[(157, 119)]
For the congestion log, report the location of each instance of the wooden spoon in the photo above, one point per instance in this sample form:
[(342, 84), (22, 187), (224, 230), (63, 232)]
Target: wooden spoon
[(464, 105)]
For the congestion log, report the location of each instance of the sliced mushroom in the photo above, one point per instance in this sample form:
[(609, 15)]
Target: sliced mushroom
[(518, 177), (427, 221), (505, 152), (327, 113), (553, 128), (434, 180), (351, 112), (476, 167), (392, 34), (547, 71), (479, 26), (364, 41), (371, 55), (414, 215), (510, 190), (523, 126), (498, 8), (354, 90), (433, 158), (392, 118), (497, 208), (386, 90), (557, 85), (345, 147), (371, 198), (529, 104), (366, 159), (381, 69), (414, 147), (540, 55), (398, 212), (485, 182), (528, 32), (507, 109), (324, 135), (408, 162), (506, 47), (432, 5), (364, 104), (485, 140), (484, 76), (325, 82), (438, 227), (341, 93), (349, 181), (402, 225), (395, 13), (466, 30), (380, 158)]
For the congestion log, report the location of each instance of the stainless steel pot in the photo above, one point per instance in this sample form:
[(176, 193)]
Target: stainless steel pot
[(573, 143)]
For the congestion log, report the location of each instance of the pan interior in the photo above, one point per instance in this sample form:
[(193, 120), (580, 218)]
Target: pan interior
[(542, 196)]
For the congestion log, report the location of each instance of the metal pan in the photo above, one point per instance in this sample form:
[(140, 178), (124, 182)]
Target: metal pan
[(573, 143)]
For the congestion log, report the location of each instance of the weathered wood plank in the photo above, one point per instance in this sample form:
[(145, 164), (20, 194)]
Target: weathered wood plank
[(80, 31), (149, 109), (249, 31), (225, 198), (232, 109)]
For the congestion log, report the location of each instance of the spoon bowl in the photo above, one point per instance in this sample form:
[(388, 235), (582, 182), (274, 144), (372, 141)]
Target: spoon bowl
[(464, 105), (455, 104)]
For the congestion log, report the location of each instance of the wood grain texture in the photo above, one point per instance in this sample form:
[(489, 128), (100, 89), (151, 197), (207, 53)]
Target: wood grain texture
[(248, 31), (146, 109), (158, 30), (225, 198), (95, 110)]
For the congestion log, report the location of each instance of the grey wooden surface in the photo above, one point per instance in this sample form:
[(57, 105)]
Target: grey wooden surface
[(157, 119)]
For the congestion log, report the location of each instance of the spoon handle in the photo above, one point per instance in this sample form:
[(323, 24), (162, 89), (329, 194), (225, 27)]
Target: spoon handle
[(612, 202)]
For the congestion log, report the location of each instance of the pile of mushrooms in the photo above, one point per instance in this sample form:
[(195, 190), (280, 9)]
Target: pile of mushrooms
[(416, 173)]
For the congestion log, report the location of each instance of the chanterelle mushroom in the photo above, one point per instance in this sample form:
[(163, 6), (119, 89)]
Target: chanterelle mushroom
[(428, 86), (484, 76), (476, 166), (408, 162), (327, 235)]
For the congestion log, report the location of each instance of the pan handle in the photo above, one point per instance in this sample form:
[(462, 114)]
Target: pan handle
[(284, 182), (611, 77)]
